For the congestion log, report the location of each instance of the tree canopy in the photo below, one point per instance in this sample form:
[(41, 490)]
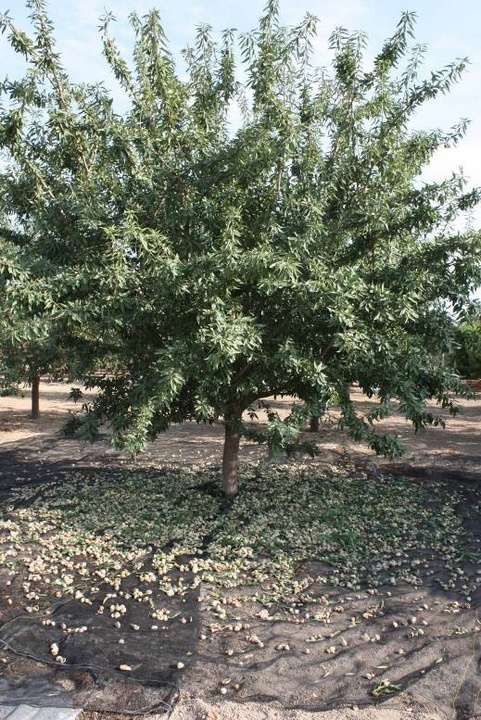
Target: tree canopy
[(249, 225)]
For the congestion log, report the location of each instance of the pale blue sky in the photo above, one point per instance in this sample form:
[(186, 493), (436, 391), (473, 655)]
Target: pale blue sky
[(450, 29)]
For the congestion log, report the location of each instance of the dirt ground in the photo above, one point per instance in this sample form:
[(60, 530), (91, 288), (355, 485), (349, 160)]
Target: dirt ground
[(191, 443), (235, 678)]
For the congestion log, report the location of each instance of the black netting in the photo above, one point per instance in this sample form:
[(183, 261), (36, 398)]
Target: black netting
[(425, 640), (334, 654), (339, 653), (88, 655)]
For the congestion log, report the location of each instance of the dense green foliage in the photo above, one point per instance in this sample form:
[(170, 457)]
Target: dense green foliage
[(466, 357), (292, 251)]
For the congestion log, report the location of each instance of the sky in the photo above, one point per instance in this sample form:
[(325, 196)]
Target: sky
[(450, 30)]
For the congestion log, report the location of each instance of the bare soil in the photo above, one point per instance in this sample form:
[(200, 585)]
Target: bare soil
[(459, 446), (438, 669)]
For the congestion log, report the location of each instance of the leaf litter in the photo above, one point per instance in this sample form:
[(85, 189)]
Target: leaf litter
[(105, 526)]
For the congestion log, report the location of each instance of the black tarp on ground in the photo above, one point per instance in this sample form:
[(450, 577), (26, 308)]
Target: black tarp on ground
[(78, 655)]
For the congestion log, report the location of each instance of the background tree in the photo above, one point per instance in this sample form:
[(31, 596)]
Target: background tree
[(466, 355), (36, 338), (21, 341), (50, 272), (290, 252)]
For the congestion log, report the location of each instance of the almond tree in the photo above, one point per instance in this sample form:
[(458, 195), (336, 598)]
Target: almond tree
[(254, 225)]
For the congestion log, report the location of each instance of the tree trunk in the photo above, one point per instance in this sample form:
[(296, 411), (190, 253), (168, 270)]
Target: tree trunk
[(314, 424), (36, 397), (230, 459)]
